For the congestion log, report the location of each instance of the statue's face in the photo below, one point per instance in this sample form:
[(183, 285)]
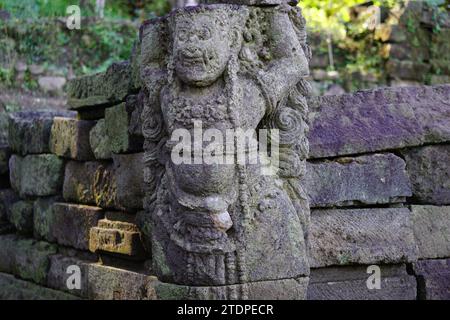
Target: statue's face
[(202, 48)]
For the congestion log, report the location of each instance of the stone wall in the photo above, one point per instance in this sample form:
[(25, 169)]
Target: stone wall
[(378, 184), (379, 189), (407, 47)]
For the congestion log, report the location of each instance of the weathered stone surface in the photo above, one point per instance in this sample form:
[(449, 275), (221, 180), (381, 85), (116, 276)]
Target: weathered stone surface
[(43, 218), (361, 236), (7, 252), (99, 141), (73, 223), (373, 179), (350, 283), (288, 289), (12, 288), (26, 258), (22, 217), (29, 132), (117, 121), (433, 278), (7, 198), (70, 138), (380, 119), (36, 175), (58, 276), (102, 89), (4, 158), (432, 231), (32, 259), (108, 283), (129, 176), (134, 105), (117, 237), (429, 172), (407, 69), (90, 183), (222, 225)]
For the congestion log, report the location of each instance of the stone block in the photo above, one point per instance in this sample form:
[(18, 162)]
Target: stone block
[(22, 217), (90, 183), (433, 278), (12, 288), (44, 218), (99, 141), (73, 223), (29, 132), (350, 283), (286, 289), (32, 260), (26, 258), (7, 247), (101, 89), (58, 276), (117, 121), (379, 119), (432, 231), (7, 198), (361, 236), (70, 138), (108, 283), (373, 179), (408, 70), (117, 237), (5, 153), (36, 175), (429, 172), (129, 178)]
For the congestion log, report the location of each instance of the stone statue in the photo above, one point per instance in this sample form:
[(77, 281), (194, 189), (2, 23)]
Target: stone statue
[(226, 226)]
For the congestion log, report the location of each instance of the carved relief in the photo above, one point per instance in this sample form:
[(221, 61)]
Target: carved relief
[(229, 67)]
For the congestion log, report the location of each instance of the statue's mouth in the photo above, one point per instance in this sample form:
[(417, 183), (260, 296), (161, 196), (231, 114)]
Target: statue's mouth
[(192, 57), (189, 61)]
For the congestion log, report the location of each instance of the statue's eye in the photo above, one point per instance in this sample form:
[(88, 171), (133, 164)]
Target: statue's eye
[(204, 33), (182, 35)]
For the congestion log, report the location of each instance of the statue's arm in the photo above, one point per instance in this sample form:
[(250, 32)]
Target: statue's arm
[(288, 61)]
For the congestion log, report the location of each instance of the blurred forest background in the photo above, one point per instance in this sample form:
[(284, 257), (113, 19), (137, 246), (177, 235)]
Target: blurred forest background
[(356, 43)]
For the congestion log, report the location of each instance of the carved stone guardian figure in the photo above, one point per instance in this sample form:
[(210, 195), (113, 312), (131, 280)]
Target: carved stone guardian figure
[(226, 230)]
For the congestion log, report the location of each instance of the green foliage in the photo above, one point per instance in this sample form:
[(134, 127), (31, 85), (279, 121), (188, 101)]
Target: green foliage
[(121, 9), (48, 42), (6, 76), (332, 16)]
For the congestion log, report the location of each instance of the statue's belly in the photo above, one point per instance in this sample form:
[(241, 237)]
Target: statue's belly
[(204, 179)]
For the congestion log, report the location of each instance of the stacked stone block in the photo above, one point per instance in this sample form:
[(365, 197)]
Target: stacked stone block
[(414, 42), (73, 188), (378, 182)]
